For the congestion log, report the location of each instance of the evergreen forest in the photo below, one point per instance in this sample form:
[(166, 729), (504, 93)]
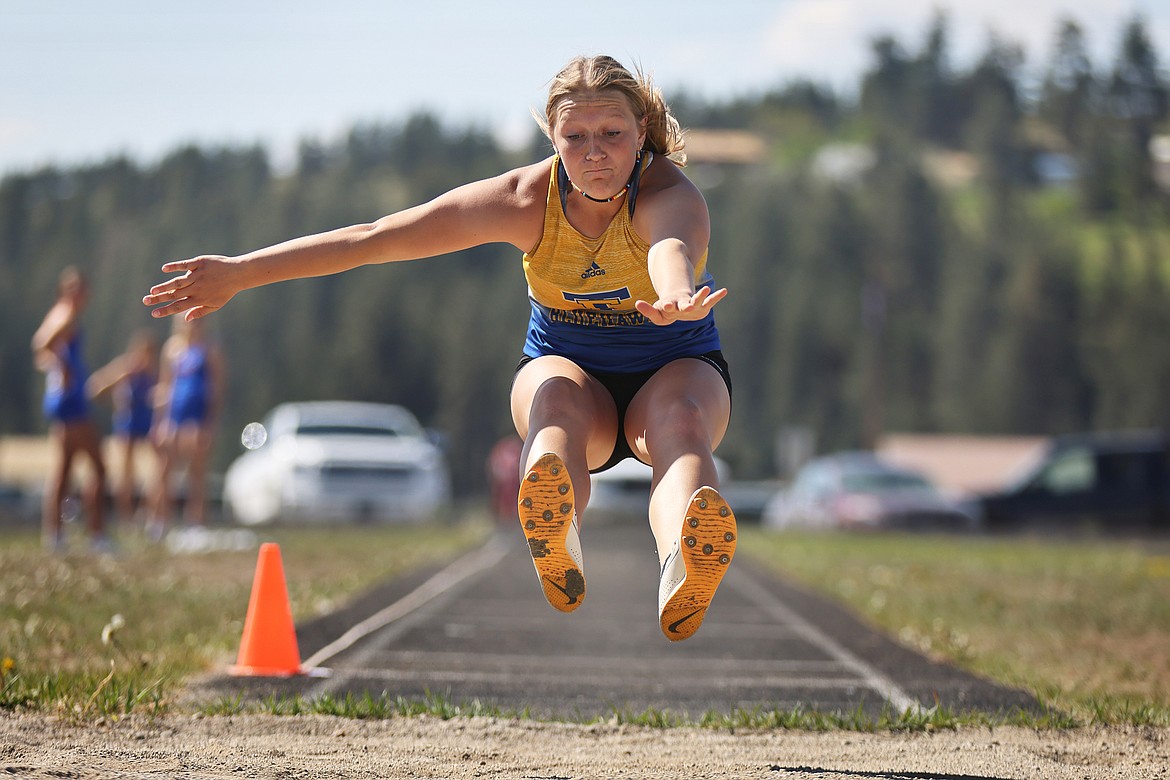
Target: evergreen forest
[(976, 250)]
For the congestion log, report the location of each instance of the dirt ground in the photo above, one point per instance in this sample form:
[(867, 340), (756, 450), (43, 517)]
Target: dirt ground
[(259, 746)]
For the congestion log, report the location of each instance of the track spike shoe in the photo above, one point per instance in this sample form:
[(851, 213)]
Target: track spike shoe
[(547, 515), (695, 567)]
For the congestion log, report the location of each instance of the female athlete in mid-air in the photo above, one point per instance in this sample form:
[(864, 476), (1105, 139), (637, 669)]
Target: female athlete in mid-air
[(622, 357)]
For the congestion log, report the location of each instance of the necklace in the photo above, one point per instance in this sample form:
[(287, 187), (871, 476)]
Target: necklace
[(620, 193)]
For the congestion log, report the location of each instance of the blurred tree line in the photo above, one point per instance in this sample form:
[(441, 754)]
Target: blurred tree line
[(946, 250)]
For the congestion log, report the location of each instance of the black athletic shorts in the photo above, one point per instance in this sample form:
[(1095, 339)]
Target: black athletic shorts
[(623, 386)]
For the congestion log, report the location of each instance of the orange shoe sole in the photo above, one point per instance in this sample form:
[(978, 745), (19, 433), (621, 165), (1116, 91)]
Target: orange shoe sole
[(707, 546), (545, 505)]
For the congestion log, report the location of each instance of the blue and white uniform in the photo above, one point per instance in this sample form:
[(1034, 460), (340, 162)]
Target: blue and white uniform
[(65, 399), (190, 386), (133, 406)]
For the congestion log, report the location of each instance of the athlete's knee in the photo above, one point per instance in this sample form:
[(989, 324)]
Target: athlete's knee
[(559, 400), (680, 415), (679, 421)]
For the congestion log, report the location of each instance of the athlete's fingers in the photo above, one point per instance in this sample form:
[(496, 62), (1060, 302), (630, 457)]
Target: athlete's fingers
[(204, 285), (688, 304), (650, 312), (692, 307), (155, 298), (176, 307), (186, 270), (164, 296), (170, 286), (714, 297), (177, 266), (199, 311)]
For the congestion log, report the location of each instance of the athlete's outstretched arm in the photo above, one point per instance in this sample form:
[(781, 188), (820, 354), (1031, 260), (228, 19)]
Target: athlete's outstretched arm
[(679, 228), (478, 213)]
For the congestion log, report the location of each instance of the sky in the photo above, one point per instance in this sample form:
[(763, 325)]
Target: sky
[(85, 81)]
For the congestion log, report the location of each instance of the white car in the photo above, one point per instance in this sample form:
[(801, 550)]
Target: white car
[(624, 489), (331, 461)]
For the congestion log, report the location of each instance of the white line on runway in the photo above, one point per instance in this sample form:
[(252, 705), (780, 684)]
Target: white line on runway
[(469, 565), (539, 678), (901, 701), (513, 622), (609, 665)]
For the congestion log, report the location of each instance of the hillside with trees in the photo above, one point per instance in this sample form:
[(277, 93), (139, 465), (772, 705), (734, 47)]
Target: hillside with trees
[(965, 250)]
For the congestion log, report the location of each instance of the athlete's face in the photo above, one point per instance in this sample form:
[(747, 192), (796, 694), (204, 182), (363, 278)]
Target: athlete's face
[(598, 138)]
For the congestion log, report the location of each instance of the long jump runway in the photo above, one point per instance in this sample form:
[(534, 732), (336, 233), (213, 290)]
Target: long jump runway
[(480, 629)]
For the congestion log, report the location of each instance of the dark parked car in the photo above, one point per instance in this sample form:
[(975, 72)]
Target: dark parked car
[(1095, 481), (860, 491)]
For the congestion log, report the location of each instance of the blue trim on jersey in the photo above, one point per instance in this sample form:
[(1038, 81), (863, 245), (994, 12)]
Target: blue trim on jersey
[(611, 341)]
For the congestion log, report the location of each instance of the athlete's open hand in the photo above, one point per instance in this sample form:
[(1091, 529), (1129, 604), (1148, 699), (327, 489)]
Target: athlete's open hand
[(205, 284), (681, 307)]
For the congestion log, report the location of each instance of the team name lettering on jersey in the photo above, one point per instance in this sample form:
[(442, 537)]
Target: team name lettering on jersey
[(597, 319)]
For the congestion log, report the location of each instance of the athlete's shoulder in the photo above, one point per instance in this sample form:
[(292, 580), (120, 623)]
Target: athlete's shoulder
[(666, 190), (528, 184), (662, 175), (671, 205)]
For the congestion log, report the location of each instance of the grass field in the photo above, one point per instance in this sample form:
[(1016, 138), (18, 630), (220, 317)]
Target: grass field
[(1083, 624), (63, 650)]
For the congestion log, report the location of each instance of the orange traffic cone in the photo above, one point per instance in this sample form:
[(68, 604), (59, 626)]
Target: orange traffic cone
[(268, 647)]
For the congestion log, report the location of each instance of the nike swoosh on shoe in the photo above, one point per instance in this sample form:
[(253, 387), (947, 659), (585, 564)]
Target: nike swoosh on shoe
[(692, 572), (546, 508)]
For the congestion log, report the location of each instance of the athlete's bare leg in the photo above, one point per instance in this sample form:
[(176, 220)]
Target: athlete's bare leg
[(162, 503), (674, 423), (569, 423), (56, 486), (559, 408), (89, 443), (126, 484), (198, 442), (71, 439)]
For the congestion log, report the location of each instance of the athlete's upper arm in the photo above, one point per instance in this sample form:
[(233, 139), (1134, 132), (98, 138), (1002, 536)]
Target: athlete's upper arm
[(496, 210), (53, 329), (677, 211)]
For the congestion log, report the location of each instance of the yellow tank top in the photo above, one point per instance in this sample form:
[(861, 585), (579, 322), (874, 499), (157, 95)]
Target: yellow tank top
[(569, 270), (583, 290)]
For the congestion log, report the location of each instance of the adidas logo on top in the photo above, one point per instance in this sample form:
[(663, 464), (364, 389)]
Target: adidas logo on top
[(593, 270)]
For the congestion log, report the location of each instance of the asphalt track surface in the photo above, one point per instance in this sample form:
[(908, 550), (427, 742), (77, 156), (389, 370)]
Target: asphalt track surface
[(480, 629)]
